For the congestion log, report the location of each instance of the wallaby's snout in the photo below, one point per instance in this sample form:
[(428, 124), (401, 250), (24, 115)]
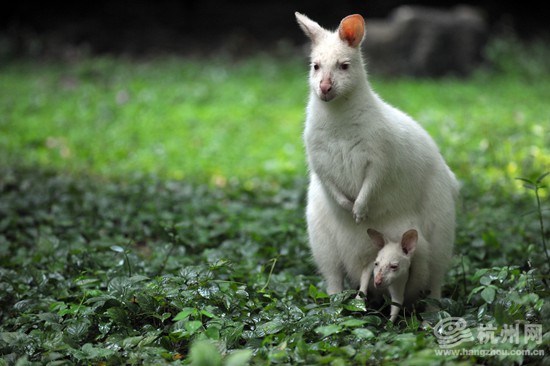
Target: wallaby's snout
[(326, 86), (378, 279)]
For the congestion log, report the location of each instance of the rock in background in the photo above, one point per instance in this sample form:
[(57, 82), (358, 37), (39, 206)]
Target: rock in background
[(426, 42)]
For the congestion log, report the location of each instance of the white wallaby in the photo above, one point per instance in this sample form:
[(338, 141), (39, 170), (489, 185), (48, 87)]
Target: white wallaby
[(369, 165), (401, 267)]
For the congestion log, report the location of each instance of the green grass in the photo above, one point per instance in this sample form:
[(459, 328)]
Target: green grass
[(173, 117), (151, 212), (219, 120)]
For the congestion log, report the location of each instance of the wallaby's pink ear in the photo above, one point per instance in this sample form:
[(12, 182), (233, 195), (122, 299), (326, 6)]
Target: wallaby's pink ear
[(408, 241), (352, 30), (311, 28), (377, 238)]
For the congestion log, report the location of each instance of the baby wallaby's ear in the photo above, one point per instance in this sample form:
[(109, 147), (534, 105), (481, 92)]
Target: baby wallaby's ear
[(408, 241), (311, 28), (352, 30), (377, 238)]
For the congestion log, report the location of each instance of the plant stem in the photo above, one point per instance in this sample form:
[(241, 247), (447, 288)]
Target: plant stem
[(270, 273), (541, 222)]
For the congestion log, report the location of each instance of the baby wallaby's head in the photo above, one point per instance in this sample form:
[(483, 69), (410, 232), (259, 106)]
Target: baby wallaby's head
[(336, 62), (394, 258)]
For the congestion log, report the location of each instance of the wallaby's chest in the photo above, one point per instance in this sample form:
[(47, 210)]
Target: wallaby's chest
[(338, 156)]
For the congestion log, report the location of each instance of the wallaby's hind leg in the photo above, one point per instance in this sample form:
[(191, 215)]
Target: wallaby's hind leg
[(435, 283), (335, 283), (330, 268), (326, 257)]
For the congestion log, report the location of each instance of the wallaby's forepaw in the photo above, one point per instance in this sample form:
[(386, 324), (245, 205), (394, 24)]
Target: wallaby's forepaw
[(346, 204), (359, 213), (358, 218)]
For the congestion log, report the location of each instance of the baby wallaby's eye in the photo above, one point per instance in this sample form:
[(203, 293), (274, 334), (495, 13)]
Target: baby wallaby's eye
[(315, 66), (344, 65), (394, 266)]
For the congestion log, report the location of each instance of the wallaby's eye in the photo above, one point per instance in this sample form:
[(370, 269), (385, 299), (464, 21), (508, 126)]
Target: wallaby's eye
[(315, 66), (394, 266), (344, 66), (376, 264)]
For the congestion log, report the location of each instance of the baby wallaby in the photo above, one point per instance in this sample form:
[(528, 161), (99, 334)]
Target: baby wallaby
[(369, 164), (401, 268)]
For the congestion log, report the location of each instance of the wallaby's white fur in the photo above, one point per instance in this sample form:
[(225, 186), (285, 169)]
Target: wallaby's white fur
[(401, 266), (370, 165)]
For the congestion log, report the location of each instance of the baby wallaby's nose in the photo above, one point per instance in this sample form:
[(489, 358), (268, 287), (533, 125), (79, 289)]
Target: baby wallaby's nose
[(326, 86)]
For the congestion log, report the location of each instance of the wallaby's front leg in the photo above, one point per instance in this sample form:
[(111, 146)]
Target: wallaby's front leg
[(397, 293), (338, 196), (361, 204), (360, 207), (365, 279)]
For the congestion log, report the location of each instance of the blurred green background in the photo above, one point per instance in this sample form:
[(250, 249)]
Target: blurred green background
[(220, 119)]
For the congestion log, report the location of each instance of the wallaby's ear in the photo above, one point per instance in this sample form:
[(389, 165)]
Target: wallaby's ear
[(408, 241), (377, 238), (352, 30), (311, 28)]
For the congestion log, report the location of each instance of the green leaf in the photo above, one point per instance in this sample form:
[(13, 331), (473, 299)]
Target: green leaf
[(353, 322), (486, 280), (525, 180), (118, 315), (238, 358), (315, 294), (356, 305), (192, 326), (212, 332), (488, 294), (363, 333), (204, 353), (479, 273), (327, 330), (131, 342), (208, 314), (77, 329), (138, 278), (539, 179), (184, 313), (92, 353), (12, 338), (530, 186), (117, 248), (271, 327), (475, 291), (372, 319)]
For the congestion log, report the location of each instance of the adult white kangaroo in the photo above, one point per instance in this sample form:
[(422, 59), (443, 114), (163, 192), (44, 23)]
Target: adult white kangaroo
[(369, 164)]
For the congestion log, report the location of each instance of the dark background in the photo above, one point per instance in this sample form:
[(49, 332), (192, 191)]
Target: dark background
[(137, 27)]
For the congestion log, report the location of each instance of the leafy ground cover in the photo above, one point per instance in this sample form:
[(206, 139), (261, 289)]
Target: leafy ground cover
[(152, 213)]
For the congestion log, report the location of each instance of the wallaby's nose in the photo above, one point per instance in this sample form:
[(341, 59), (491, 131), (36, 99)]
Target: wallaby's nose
[(326, 86), (377, 281)]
